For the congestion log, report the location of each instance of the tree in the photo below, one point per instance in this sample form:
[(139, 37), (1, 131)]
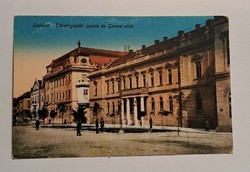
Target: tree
[(53, 114), (62, 109), (43, 113), (79, 115)]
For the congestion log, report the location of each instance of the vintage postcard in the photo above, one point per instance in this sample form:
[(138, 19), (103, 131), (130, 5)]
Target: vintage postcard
[(121, 86)]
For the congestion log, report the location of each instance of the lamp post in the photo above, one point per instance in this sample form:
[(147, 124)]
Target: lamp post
[(120, 103), (34, 110), (179, 112)]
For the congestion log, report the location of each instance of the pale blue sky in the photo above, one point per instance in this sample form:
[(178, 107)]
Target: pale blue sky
[(40, 45)]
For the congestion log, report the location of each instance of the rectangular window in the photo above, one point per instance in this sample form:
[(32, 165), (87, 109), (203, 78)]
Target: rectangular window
[(130, 83), (85, 92), (144, 80), (152, 79), (63, 95), (124, 84), (137, 81), (198, 69), (160, 77), (113, 86), (170, 76), (118, 85), (107, 87), (69, 94), (95, 89)]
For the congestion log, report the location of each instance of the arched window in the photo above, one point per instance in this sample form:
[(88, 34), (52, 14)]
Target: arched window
[(153, 104), (198, 101), (161, 104), (171, 104)]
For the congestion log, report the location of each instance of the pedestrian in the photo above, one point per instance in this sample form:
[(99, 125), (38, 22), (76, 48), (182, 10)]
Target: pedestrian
[(96, 126), (102, 124), (206, 125), (78, 128), (37, 124), (150, 122)]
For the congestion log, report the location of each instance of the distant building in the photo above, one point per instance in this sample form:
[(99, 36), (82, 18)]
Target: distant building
[(37, 97), (66, 78), (23, 107), (184, 80)]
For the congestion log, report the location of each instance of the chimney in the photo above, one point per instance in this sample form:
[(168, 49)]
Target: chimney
[(165, 38), (143, 46), (197, 26), (181, 33), (157, 41), (209, 22)]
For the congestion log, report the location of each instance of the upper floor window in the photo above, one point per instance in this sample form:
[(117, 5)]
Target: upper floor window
[(113, 86), (137, 81), (95, 88), (198, 69), (130, 83), (107, 87), (124, 83), (152, 104), (170, 76), (152, 79), (171, 107), (108, 107), (160, 77), (144, 80)]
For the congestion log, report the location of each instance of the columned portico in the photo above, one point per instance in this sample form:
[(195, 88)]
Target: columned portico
[(128, 112), (142, 110), (122, 112), (135, 112)]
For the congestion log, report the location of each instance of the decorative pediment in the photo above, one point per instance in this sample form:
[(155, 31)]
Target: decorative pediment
[(168, 65), (150, 69), (159, 68), (136, 73)]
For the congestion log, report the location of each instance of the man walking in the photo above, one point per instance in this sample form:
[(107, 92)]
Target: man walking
[(37, 124), (102, 124), (96, 126), (78, 128)]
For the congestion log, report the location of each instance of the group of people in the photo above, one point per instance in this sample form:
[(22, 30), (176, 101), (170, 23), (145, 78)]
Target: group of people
[(79, 125)]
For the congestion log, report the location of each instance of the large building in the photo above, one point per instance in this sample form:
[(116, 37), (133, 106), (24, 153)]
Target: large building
[(66, 80), (179, 81)]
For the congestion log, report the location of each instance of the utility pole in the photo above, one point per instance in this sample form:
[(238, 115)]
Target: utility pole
[(120, 105), (180, 100)]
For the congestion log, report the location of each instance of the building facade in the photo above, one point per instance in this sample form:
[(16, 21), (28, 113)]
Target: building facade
[(37, 97), (66, 79), (177, 81)]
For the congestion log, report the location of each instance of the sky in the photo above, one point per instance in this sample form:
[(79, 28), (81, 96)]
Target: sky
[(40, 39)]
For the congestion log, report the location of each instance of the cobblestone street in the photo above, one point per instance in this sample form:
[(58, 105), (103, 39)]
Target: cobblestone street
[(54, 143)]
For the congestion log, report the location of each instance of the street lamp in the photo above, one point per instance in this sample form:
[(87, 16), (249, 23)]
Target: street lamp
[(180, 100), (34, 110)]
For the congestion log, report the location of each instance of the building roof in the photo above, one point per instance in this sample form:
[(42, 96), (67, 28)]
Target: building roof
[(97, 56), (166, 43)]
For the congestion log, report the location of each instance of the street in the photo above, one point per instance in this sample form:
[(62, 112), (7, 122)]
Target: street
[(57, 142)]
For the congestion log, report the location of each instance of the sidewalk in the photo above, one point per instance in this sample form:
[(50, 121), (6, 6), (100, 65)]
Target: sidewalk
[(136, 129)]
